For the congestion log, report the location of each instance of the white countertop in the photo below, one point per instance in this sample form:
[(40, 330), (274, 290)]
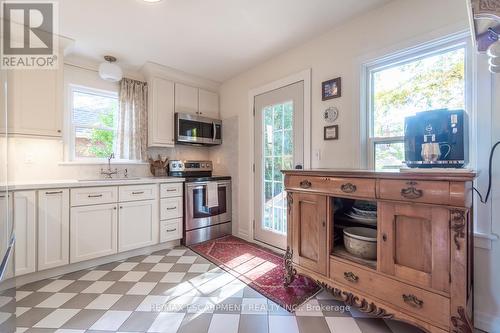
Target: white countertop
[(72, 183)]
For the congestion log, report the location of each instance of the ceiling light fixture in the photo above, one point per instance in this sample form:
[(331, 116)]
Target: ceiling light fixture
[(110, 71), (151, 1)]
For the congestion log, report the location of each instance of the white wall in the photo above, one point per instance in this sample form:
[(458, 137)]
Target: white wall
[(393, 27)]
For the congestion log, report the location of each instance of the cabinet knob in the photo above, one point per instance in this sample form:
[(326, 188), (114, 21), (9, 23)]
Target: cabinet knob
[(384, 237), (411, 192), (305, 184), (351, 277), (413, 301), (114, 208), (59, 131), (348, 188)]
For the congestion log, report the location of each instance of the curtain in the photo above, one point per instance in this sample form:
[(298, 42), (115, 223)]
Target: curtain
[(132, 120)]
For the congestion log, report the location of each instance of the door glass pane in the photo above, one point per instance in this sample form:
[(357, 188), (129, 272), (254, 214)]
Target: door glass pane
[(278, 155)]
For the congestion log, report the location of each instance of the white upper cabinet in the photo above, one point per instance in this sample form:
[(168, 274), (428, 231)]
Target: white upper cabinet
[(208, 102), (53, 228), (161, 113), (35, 102), (186, 99), (25, 228)]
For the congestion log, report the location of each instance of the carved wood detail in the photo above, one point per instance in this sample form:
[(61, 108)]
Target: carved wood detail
[(461, 323), (486, 8), (360, 304), (289, 271), (289, 200), (458, 225)]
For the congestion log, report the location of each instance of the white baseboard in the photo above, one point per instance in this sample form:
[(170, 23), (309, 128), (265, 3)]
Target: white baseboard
[(487, 322), (58, 271)]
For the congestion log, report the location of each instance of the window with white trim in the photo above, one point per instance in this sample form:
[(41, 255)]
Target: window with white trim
[(426, 78), (93, 123)]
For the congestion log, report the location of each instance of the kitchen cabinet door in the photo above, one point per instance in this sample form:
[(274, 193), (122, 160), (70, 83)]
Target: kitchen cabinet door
[(161, 113), (94, 232), (186, 99), (208, 104), (53, 228), (309, 241), (41, 113), (414, 244), (138, 224), (25, 228)]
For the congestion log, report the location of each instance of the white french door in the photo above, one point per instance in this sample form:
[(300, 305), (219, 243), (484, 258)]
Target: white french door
[(279, 144)]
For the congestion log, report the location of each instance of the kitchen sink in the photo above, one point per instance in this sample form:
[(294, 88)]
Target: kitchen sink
[(108, 179)]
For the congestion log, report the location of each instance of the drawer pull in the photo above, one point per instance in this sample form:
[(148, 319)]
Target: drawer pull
[(171, 230), (351, 277), (305, 184), (95, 195), (411, 192), (348, 188), (135, 193), (172, 190), (171, 208), (413, 301), (55, 192)]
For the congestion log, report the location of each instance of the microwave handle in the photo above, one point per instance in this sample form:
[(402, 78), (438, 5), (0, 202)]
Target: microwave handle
[(215, 131)]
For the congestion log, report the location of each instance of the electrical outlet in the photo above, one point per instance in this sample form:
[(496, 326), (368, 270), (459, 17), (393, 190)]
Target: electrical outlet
[(317, 154), (28, 158)]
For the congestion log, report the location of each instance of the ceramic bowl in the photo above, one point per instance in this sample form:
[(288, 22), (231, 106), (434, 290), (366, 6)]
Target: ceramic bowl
[(361, 242)]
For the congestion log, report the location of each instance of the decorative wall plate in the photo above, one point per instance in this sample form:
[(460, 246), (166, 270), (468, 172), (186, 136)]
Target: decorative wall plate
[(331, 114)]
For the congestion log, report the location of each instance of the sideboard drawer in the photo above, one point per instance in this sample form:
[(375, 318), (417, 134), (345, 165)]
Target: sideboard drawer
[(94, 195), (346, 187), (436, 192), (419, 302), (138, 192)]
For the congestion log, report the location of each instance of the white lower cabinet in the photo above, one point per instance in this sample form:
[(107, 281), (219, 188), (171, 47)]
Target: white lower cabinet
[(25, 228), (94, 232), (6, 223), (138, 224), (53, 228)]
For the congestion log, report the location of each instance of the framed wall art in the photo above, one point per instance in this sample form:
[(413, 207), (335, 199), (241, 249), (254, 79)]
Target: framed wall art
[(331, 89), (331, 132)]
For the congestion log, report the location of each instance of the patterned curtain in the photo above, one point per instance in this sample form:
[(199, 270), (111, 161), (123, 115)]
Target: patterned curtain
[(132, 120)]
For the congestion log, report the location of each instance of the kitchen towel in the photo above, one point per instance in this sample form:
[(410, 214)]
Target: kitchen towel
[(212, 195)]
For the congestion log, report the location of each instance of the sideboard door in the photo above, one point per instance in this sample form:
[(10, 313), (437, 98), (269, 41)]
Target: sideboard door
[(309, 239), (414, 244)]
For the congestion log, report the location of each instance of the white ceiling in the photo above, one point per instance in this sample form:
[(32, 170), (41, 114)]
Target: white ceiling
[(214, 39)]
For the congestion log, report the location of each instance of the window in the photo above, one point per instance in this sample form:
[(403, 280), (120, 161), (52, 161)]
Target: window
[(93, 122), (428, 78)]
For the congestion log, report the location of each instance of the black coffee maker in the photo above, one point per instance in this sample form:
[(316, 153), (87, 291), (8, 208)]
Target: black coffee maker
[(437, 138)]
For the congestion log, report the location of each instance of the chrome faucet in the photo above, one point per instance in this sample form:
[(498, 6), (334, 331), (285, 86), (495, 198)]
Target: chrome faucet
[(108, 173)]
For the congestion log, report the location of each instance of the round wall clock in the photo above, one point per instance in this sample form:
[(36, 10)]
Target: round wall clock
[(331, 114)]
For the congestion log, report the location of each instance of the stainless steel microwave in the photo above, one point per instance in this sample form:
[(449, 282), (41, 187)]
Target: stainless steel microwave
[(193, 129)]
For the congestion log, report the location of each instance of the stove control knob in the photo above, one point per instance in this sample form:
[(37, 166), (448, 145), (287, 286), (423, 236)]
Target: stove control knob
[(174, 165), (180, 165)]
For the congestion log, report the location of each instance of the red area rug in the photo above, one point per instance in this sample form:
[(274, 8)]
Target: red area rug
[(259, 268)]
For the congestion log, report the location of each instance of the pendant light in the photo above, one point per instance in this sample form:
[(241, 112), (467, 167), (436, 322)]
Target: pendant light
[(110, 71)]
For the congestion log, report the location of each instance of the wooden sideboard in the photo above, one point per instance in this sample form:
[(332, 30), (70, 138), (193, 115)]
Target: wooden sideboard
[(423, 273)]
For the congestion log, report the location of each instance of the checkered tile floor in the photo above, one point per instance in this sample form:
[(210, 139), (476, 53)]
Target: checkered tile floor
[(174, 291)]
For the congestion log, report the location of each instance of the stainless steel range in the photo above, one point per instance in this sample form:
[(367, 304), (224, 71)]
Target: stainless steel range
[(207, 201)]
